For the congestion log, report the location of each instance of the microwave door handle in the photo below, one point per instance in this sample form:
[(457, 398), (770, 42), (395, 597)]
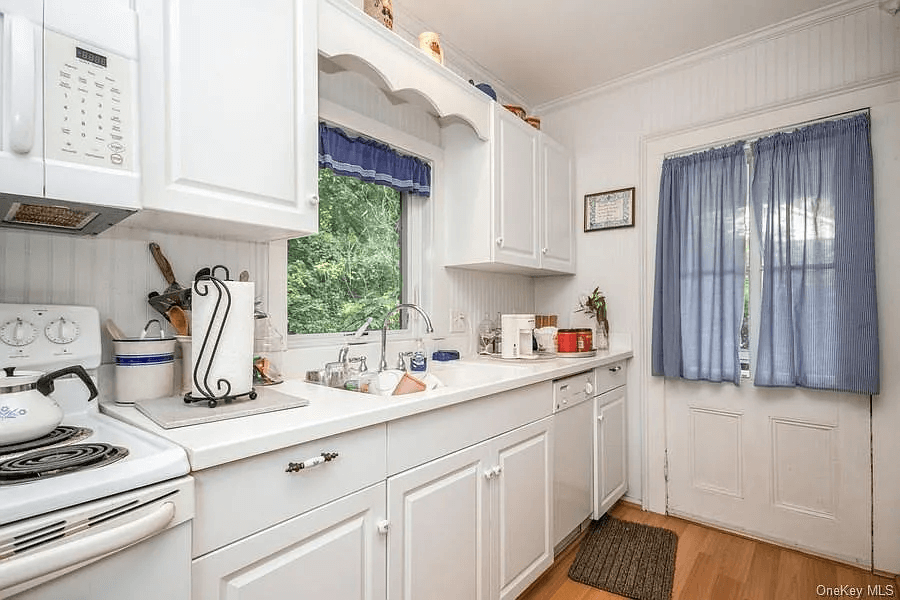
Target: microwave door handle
[(21, 48), (45, 562)]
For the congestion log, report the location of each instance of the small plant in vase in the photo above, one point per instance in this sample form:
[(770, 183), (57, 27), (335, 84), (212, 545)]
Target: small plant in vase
[(594, 304)]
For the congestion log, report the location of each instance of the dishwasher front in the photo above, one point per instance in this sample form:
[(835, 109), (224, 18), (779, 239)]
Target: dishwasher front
[(572, 455)]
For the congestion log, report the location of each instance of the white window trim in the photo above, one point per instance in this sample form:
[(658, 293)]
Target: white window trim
[(419, 237)]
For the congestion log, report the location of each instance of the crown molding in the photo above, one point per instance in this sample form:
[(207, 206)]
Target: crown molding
[(408, 26), (807, 20)]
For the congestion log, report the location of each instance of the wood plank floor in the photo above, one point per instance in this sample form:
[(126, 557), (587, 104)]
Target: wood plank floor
[(713, 565)]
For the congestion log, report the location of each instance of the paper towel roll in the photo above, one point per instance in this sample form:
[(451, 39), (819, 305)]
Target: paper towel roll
[(233, 359)]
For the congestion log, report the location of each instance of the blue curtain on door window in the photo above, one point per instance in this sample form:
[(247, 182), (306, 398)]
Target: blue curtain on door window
[(813, 200), (699, 289), (372, 161)]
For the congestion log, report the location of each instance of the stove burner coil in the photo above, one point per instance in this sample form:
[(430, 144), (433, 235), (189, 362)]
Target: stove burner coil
[(64, 434), (51, 462)]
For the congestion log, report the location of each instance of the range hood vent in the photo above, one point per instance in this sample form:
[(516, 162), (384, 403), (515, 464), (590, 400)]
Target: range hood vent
[(53, 216)]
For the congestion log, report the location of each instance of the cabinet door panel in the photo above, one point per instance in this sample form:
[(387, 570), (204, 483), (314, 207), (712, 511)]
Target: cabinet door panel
[(609, 443), (558, 234), (439, 539), (332, 552), (524, 548), (516, 194), (229, 124)]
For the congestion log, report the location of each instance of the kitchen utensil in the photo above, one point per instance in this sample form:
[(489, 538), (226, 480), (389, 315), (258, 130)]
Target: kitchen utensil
[(145, 369), (184, 342), (146, 330), (159, 303), (113, 330), (27, 411), (177, 293), (244, 276), (409, 385), (178, 318)]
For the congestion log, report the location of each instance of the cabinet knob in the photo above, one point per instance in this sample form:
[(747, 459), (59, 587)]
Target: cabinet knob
[(588, 388), (545, 250), (500, 241), (615, 369), (497, 470), (489, 474), (383, 526), (600, 418), (314, 199)]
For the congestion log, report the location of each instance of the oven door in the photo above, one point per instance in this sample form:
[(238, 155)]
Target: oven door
[(159, 568), (135, 545)]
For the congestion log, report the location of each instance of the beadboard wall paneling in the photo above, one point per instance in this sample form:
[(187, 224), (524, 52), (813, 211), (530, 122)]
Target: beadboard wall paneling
[(115, 271), (828, 54), (355, 92), (476, 293)]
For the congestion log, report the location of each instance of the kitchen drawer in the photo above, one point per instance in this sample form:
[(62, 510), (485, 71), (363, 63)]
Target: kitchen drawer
[(426, 436), (246, 496), (609, 377)]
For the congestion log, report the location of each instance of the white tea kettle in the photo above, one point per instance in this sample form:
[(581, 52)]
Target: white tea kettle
[(26, 410)]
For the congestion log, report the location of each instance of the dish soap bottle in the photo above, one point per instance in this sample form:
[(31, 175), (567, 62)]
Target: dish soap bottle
[(419, 362)]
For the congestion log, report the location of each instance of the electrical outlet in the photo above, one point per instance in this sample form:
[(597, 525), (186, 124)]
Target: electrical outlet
[(457, 321)]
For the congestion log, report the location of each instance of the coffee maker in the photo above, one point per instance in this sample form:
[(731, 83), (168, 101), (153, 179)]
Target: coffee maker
[(516, 335)]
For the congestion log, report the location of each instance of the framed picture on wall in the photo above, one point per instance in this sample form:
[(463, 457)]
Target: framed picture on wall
[(609, 210)]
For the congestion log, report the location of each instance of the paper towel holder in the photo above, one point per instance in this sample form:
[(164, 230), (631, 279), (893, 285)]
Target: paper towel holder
[(203, 365)]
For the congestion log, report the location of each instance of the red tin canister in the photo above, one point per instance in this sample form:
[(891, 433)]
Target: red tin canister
[(584, 340), (567, 340)]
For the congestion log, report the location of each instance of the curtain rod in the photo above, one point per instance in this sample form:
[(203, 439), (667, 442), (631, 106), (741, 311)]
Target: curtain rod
[(766, 133)]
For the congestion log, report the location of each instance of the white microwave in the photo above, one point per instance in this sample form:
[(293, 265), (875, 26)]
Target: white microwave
[(68, 132)]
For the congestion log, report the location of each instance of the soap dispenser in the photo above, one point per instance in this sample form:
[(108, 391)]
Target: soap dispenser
[(419, 361)]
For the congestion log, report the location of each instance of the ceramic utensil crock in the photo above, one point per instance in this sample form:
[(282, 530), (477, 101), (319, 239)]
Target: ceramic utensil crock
[(27, 411)]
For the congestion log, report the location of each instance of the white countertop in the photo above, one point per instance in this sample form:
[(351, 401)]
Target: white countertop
[(332, 411)]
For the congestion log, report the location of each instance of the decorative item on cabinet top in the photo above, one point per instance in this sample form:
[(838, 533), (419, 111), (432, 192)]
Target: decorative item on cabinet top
[(516, 110), (430, 44), (609, 210), (486, 88), (381, 10)]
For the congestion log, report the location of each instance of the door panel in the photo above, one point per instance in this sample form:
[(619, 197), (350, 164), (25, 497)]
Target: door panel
[(334, 551), (516, 203), (524, 546), (792, 466), (22, 139), (440, 535), (611, 459)]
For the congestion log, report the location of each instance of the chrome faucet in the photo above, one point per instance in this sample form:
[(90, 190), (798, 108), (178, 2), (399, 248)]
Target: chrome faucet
[(382, 365)]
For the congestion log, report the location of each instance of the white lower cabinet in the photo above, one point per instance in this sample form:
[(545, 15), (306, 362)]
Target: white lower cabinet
[(475, 524), (610, 459), (335, 551)]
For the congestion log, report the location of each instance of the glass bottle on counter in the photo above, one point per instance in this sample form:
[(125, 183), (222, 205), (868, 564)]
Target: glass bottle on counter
[(268, 352)]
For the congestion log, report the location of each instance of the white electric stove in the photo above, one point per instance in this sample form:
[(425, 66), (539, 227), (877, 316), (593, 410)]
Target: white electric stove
[(74, 501)]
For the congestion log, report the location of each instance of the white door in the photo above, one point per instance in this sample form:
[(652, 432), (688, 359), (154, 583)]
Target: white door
[(229, 111), (523, 508), (557, 208), (22, 134), (610, 460), (335, 552), (791, 466), (516, 191), (439, 540)]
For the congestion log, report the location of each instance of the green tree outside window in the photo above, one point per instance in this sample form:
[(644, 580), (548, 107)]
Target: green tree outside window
[(351, 270)]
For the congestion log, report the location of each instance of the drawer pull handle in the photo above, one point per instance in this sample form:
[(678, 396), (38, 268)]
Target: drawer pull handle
[(615, 369), (311, 462)]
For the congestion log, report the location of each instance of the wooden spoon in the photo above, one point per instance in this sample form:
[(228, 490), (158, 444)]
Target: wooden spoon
[(178, 320), (114, 331)]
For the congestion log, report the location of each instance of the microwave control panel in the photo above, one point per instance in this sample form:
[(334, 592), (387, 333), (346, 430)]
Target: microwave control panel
[(88, 104)]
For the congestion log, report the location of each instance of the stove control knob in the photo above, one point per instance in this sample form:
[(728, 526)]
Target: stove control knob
[(17, 332), (62, 331)]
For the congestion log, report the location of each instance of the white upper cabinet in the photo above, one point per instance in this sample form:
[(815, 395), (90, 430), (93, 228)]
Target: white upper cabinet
[(508, 201), (516, 191), (229, 112), (557, 208)]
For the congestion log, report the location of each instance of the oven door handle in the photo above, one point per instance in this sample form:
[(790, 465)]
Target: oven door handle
[(44, 562)]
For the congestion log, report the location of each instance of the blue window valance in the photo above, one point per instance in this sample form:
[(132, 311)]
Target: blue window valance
[(372, 161)]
